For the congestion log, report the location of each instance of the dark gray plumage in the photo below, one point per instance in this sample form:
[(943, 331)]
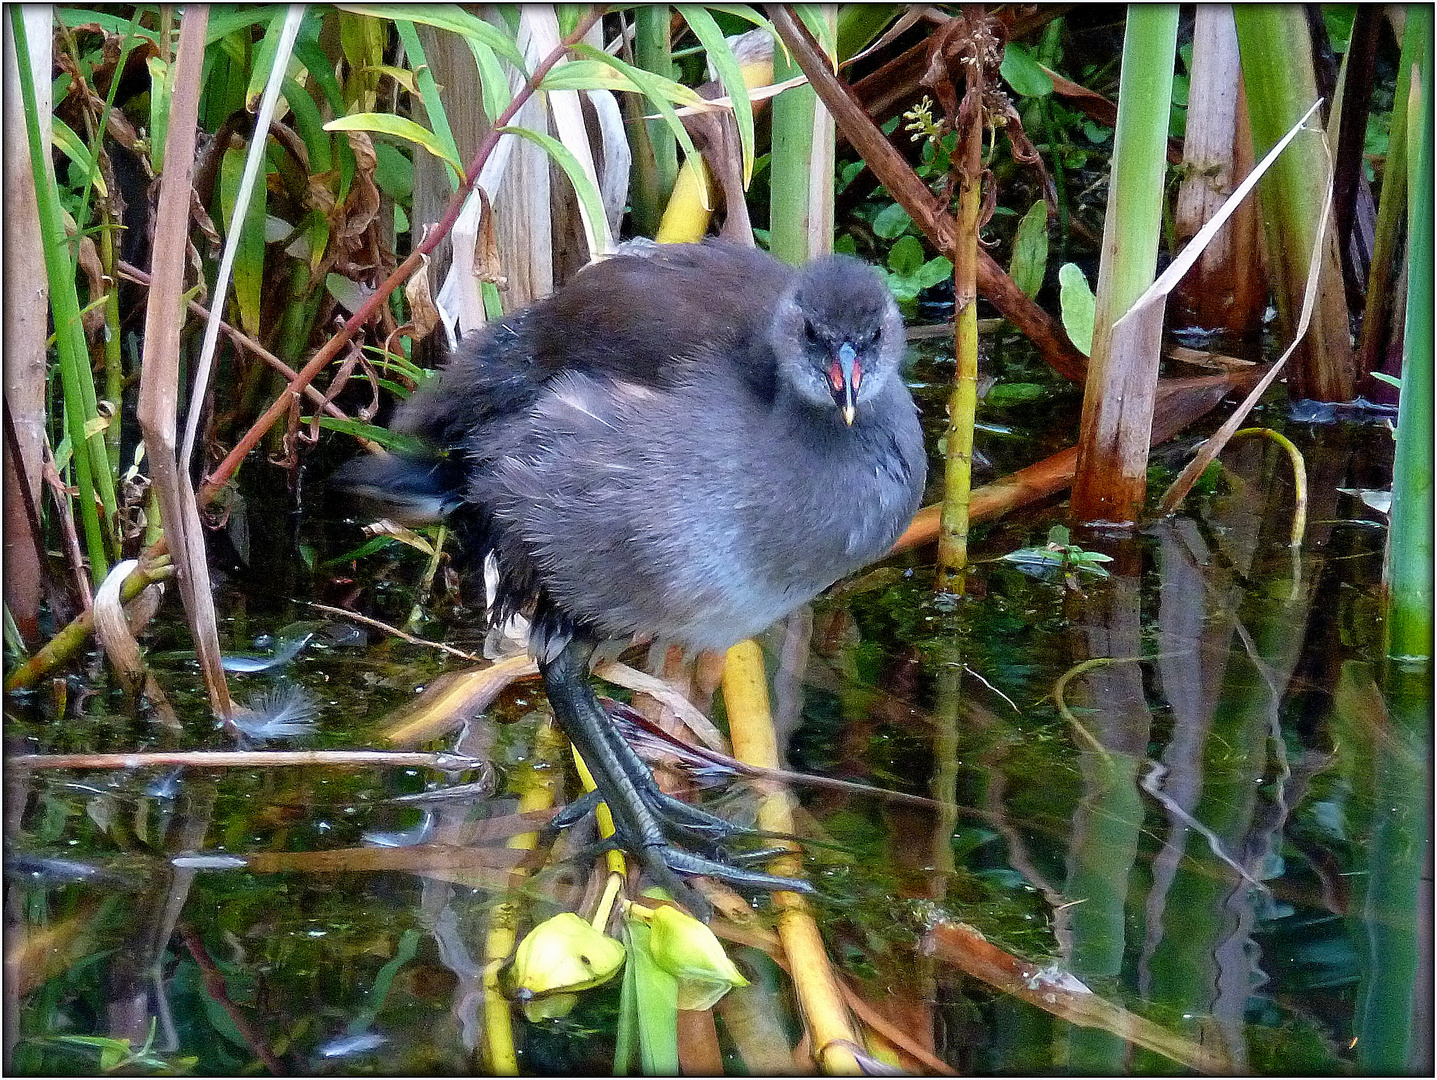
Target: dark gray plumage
[(688, 444)]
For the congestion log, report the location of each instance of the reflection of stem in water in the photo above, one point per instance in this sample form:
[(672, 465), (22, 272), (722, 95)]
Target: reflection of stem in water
[(1107, 821), (943, 785), (1394, 901)]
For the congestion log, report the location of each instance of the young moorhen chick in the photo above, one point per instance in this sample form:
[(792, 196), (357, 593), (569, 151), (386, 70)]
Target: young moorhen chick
[(686, 443)]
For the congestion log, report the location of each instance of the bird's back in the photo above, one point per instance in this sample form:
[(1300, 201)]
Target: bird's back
[(645, 319)]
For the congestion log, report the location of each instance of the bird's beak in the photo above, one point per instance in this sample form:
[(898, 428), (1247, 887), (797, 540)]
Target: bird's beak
[(850, 375)]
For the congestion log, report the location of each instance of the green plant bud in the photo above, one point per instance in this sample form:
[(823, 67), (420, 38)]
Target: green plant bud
[(689, 951)]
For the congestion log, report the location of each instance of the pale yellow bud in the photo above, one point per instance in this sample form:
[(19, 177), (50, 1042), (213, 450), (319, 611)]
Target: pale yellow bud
[(689, 951), (563, 955)]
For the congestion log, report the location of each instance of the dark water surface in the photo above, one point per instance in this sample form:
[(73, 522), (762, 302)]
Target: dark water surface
[(1221, 822)]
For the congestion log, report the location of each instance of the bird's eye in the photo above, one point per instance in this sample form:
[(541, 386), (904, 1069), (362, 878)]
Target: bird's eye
[(811, 335)]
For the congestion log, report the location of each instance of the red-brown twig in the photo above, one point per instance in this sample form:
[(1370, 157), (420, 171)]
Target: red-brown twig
[(332, 347)]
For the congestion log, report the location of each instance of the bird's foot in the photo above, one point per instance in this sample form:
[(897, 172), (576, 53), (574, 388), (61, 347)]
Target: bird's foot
[(653, 826)]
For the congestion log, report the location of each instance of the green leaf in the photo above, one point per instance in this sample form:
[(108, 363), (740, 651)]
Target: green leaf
[(111, 24), (393, 172), (812, 17), (391, 440), (1001, 394), (398, 126), (449, 17), (656, 999), (249, 254), (903, 287), (939, 268), (635, 79), (263, 63), (1030, 250), (906, 256), (162, 85), (1078, 305), (428, 93), (70, 144), (659, 91), (1096, 133), (366, 549), (1180, 90), (583, 185), (585, 75), (310, 126), (1023, 73), (350, 294), (309, 53), (225, 20), (892, 222), (727, 66), (1338, 19)]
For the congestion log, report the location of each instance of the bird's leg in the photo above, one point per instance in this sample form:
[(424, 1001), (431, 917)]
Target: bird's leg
[(629, 789)]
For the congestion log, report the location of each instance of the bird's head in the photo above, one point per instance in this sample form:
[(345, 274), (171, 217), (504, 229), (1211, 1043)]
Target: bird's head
[(837, 334)]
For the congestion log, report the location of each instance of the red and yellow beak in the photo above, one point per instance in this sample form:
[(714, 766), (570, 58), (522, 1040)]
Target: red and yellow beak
[(845, 375)]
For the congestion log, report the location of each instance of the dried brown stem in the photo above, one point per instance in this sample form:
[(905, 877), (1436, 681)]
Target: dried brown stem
[(160, 361), (249, 759), (396, 632)]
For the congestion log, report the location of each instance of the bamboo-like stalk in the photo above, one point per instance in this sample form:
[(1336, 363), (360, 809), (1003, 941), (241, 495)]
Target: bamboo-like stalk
[(800, 211), (1277, 72), (538, 794), (114, 364), (1122, 371), (1226, 289), (963, 401), (26, 301), (26, 295), (1409, 540), (830, 1033), (1392, 204), (656, 149), (614, 860)]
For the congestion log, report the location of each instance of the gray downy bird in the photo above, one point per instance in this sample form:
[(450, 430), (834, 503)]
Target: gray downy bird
[(686, 443)]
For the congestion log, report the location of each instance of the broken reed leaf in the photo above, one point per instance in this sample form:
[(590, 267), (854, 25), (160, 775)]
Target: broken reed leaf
[(452, 699)]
